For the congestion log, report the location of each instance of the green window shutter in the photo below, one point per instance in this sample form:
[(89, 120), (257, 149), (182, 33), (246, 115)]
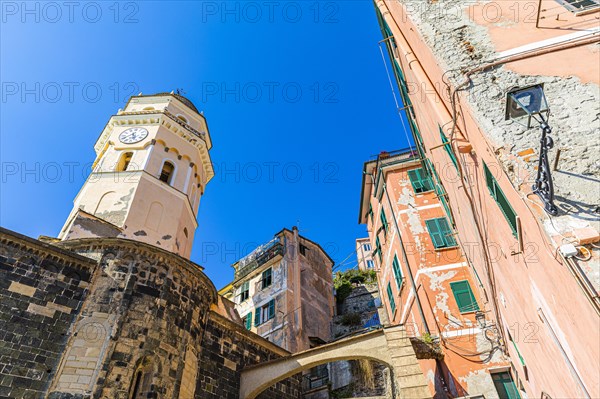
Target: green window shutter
[(257, 317), (440, 232), (397, 272), (378, 250), (391, 298), (496, 192), (446, 232), (448, 148), (464, 296), (384, 221), (505, 386), (271, 309), (248, 321), (420, 181), (371, 212), (435, 233)]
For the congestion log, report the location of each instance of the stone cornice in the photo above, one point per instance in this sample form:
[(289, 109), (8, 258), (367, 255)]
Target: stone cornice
[(200, 140), (45, 250), (241, 330), (146, 250)]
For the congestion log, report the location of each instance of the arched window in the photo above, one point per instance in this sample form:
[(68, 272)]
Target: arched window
[(182, 118), (185, 232), (167, 172), (124, 161), (141, 386), (148, 109)]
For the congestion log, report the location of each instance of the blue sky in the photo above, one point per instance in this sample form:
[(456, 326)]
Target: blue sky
[(295, 93)]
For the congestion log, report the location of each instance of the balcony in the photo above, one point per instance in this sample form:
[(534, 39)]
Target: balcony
[(259, 257)]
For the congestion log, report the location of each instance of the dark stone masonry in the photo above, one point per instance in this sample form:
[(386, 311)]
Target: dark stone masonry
[(112, 318)]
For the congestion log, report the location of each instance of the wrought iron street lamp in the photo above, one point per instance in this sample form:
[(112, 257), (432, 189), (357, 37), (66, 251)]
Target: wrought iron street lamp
[(528, 107)]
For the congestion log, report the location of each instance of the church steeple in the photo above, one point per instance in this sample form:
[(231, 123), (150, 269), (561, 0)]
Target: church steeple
[(151, 169)]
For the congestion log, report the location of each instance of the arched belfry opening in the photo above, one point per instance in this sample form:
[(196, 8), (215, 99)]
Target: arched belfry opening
[(124, 161), (167, 172), (141, 384)]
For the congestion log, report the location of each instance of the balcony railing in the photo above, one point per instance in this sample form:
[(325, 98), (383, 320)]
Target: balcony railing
[(258, 257)]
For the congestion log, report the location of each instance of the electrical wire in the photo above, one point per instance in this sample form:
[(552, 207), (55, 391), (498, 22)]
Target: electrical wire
[(387, 71)]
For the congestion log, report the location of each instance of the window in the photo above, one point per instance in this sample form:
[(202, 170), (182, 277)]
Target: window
[(371, 212), (384, 221), (124, 161), (248, 321), (505, 386), (182, 118), (166, 174), (500, 198), (245, 291), (367, 247), (303, 249), (264, 313), (440, 232), (391, 299), (378, 249), (464, 296), (397, 272), (267, 278), (448, 148), (370, 264), (579, 6), (420, 180)]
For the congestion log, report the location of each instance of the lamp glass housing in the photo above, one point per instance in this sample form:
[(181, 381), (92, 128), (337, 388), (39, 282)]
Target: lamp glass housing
[(526, 105)]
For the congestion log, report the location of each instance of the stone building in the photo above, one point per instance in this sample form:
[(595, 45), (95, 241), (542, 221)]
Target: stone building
[(521, 208), (283, 291), (114, 308), (364, 254)]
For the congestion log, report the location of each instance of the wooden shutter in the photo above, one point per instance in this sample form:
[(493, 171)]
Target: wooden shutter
[(271, 309), (248, 321), (391, 299), (435, 233), (464, 296), (446, 231), (397, 272), (257, 317)]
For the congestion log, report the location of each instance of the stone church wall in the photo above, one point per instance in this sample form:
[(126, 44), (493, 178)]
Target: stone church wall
[(109, 318), (41, 293)]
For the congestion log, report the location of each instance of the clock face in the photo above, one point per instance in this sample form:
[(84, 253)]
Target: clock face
[(133, 135)]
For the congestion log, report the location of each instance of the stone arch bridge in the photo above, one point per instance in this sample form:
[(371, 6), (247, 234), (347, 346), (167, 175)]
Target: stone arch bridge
[(390, 346)]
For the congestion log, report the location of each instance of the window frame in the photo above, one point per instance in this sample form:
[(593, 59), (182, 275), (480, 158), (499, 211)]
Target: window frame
[(244, 289), (496, 192), (384, 222), (264, 277), (370, 264), (419, 176), (469, 291), (378, 249), (448, 148), (448, 238), (398, 277), (391, 300), (171, 177), (248, 320), (268, 309)]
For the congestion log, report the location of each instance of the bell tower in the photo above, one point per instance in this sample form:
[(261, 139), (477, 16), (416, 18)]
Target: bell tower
[(152, 166)]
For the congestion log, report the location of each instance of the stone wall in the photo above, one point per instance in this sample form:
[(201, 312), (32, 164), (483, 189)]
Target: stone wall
[(41, 292), (227, 349), (111, 318)]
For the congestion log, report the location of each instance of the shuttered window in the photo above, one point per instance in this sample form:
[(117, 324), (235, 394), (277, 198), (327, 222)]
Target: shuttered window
[(464, 296), (267, 278), (448, 148), (420, 180), (248, 321), (371, 212), (378, 249), (244, 291), (397, 272), (391, 299), (440, 232), (384, 221), (264, 313), (501, 200)]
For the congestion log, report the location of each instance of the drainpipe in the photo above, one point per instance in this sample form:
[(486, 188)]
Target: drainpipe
[(404, 256)]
